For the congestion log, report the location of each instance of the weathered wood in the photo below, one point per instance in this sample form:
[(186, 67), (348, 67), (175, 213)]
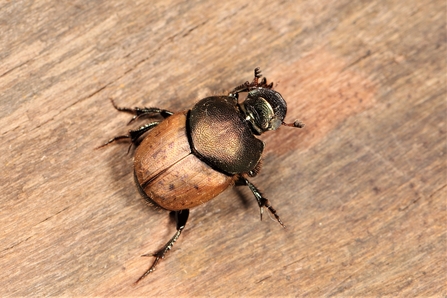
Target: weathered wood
[(361, 188)]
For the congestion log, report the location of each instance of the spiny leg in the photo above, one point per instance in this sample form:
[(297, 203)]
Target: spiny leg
[(142, 112), (262, 202), (133, 135), (181, 218), (247, 86)]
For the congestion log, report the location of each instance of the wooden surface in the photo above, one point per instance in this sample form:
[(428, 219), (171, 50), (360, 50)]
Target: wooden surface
[(362, 188)]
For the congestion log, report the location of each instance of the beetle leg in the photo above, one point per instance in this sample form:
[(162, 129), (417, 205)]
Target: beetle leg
[(142, 112), (133, 135), (181, 218), (247, 86), (262, 202)]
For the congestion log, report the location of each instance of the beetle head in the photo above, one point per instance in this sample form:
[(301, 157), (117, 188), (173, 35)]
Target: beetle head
[(264, 109)]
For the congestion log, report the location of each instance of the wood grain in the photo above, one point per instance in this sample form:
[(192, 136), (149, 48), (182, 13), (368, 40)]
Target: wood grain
[(362, 188)]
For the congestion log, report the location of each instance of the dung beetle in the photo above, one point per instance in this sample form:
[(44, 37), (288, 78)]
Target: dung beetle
[(187, 158)]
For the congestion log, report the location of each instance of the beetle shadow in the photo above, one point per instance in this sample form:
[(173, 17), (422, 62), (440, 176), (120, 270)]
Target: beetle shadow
[(243, 196), (120, 165)]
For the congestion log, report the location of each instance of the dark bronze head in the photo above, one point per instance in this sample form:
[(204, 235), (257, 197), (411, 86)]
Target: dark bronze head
[(264, 109)]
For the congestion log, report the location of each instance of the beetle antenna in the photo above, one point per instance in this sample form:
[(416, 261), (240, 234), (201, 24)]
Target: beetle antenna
[(297, 124)]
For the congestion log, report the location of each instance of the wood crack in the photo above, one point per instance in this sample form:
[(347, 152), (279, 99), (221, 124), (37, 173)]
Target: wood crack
[(368, 53), (26, 239), (14, 68)]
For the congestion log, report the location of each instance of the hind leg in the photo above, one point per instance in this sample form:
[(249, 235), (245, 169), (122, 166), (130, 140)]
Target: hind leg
[(134, 135), (142, 112), (181, 218)]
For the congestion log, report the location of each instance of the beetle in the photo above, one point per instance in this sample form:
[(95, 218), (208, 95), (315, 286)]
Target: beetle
[(187, 158)]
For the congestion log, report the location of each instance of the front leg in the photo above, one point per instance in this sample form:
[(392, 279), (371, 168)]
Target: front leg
[(262, 202), (247, 86)]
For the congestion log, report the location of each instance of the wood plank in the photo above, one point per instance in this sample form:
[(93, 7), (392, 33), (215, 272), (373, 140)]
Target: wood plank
[(361, 188)]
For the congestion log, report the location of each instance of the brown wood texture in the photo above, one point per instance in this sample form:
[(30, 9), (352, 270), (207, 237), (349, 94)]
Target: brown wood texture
[(361, 189)]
